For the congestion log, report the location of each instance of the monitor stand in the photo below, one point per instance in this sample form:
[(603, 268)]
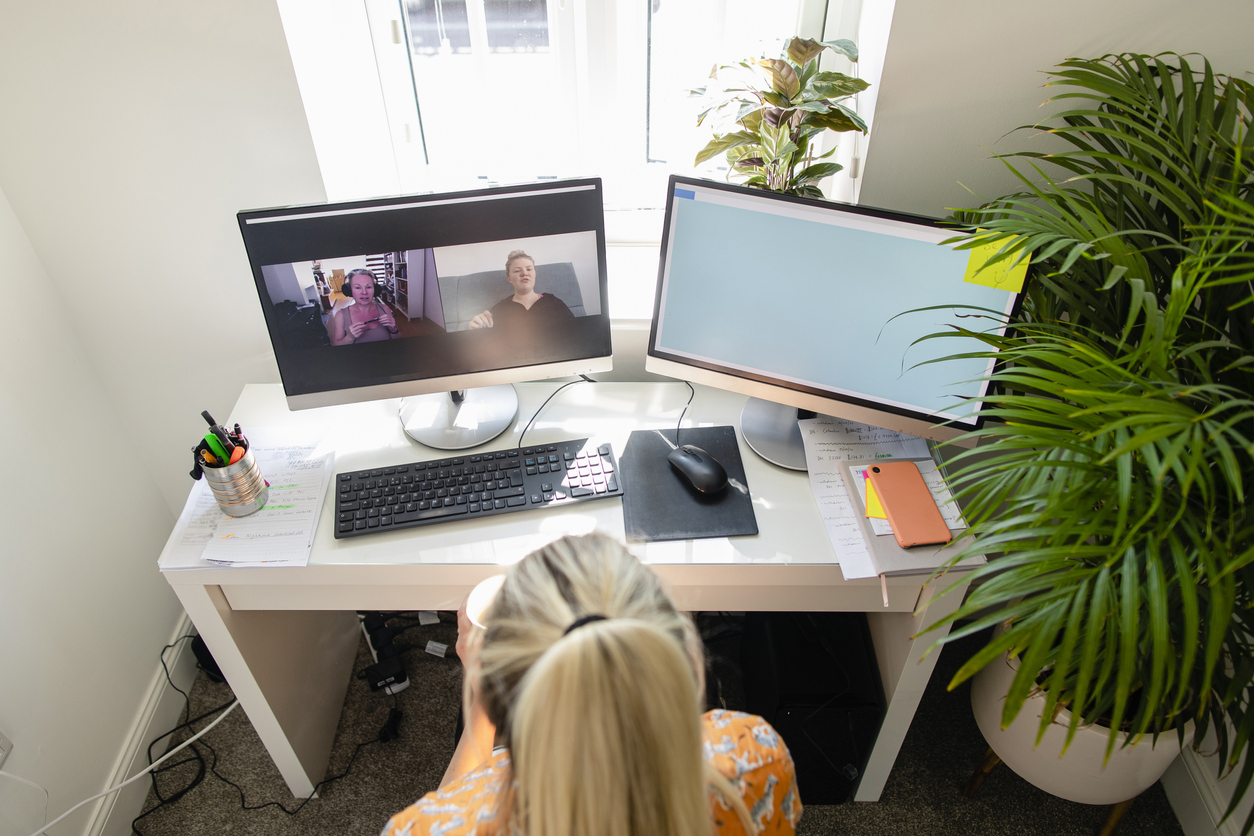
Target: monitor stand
[(460, 419), (771, 430)]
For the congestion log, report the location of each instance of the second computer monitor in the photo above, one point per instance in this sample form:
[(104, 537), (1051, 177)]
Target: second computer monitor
[(820, 305)]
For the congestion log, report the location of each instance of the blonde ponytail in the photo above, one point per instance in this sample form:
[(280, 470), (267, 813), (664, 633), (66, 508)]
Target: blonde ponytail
[(603, 724), (607, 737)]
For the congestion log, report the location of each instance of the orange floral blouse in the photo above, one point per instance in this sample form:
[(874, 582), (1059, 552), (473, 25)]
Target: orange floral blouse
[(742, 747)]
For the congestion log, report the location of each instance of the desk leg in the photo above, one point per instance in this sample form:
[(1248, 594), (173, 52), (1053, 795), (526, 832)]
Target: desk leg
[(290, 670), (904, 671)]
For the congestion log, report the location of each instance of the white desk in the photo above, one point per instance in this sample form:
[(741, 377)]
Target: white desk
[(285, 638)]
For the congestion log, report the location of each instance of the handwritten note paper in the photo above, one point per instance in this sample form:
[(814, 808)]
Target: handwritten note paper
[(280, 534), (829, 442)]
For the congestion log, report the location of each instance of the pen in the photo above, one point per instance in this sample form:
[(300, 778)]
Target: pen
[(208, 418), (220, 435)]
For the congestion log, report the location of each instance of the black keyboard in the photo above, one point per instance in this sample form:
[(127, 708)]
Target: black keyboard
[(470, 486)]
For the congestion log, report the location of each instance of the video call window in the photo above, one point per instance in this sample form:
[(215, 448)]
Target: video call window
[(432, 291)]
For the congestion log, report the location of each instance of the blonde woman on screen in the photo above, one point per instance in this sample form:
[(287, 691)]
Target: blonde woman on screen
[(525, 309), (591, 683)]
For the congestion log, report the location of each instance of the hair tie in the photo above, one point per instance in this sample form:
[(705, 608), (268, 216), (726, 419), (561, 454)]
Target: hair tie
[(587, 619)]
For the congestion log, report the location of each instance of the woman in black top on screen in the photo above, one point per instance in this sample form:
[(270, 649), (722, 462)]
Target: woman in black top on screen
[(525, 308)]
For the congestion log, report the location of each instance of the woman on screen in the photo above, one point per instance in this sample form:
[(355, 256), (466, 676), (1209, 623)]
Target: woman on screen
[(366, 319), (526, 307), (590, 683)]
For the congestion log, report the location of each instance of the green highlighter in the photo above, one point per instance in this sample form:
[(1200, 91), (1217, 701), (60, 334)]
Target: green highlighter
[(216, 448)]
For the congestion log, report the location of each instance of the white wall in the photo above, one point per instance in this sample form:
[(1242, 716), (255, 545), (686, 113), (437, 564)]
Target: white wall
[(131, 132), (282, 283), (82, 608), (960, 75)]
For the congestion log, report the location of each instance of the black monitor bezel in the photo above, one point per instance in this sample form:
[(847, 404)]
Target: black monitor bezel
[(590, 342)]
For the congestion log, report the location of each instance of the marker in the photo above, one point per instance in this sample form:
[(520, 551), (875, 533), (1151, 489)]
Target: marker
[(215, 446), (236, 455), (209, 458)]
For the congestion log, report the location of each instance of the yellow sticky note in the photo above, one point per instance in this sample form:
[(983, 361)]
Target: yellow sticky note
[(873, 507), (1000, 275)]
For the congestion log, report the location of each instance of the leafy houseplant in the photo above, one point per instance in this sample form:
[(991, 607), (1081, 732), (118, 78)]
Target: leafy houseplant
[(1115, 485), (778, 107)]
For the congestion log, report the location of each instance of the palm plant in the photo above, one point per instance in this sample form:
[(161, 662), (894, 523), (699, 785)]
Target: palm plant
[(1113, 484), (779, 106)]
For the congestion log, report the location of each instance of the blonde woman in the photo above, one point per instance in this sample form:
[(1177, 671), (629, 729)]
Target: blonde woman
[(367, 319), (594, 682), (525, 308)]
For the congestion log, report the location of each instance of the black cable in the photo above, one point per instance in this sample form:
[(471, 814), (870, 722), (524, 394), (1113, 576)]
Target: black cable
[(693, 394), (389, 731), (163, 800), (536, 414)]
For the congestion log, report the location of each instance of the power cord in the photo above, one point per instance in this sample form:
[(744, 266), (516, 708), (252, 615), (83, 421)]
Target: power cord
[(142, 772), (536, 414), (389, 731)]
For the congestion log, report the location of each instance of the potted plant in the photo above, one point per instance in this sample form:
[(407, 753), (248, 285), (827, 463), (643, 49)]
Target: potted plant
[(777, 108), (1114, 482)]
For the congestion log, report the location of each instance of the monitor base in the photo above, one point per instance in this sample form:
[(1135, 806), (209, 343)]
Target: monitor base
[(444, 422), (770, 429)]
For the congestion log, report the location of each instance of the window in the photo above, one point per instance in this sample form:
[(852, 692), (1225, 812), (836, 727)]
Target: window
[(450, 94)]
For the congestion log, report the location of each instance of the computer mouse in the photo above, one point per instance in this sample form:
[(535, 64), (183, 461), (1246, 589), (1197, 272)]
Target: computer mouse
[(698, 468)]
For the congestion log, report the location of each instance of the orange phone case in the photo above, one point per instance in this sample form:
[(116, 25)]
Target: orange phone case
[(909, 505)]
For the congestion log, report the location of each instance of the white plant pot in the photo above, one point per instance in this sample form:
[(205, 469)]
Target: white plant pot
[(1079, 775)]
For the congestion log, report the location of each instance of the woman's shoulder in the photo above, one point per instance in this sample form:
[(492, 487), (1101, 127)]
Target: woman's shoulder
[(468, 805), (751, 755), (733, 731)]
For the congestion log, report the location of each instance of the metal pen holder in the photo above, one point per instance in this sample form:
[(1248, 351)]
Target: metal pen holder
[(239, 488)]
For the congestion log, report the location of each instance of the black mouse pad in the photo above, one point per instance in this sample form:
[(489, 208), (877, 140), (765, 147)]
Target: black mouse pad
[(659, 505)]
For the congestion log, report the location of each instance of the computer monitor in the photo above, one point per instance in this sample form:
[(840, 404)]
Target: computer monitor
[(804, 304), (442, 299)]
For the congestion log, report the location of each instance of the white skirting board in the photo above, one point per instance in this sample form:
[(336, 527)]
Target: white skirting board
[(159, 713), (1199, 799)]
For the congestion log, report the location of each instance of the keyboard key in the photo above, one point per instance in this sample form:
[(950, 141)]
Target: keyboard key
[(514, 501), (474, 507), (605, 450), (577, 492), (500, 503), (385, 520), (346, 526), (430, 514), (536, 498), (548, 496), (611, 483), (518, 491)]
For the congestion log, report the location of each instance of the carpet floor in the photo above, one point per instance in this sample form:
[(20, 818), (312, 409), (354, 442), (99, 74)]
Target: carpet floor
[(923, 796)]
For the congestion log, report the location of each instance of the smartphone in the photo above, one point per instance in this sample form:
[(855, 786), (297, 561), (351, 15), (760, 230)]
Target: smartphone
[(908, 504)]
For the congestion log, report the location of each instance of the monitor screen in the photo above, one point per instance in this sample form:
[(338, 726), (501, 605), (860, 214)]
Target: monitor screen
[(817, 305), (405, 296)]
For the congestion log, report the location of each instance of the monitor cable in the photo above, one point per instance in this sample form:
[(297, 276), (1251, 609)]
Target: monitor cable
[(692, 394), (583, 379)]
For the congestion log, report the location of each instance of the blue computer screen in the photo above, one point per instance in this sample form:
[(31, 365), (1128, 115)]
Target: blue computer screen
[(816, 295)]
